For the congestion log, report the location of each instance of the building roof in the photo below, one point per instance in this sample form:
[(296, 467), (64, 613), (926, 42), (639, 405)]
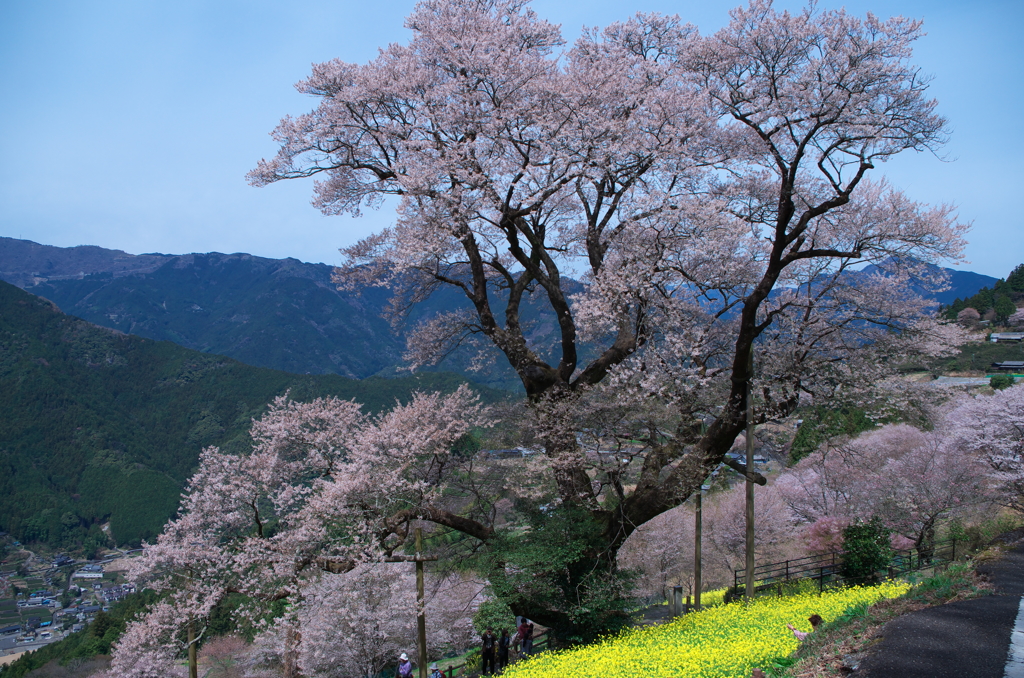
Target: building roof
[(1009, 365)]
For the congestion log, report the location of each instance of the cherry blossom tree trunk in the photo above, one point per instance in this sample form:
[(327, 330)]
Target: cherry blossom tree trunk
[(292, 638), (193, 666), (925, 542)]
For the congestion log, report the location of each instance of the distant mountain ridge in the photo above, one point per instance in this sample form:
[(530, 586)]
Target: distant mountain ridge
[(278, 313), (962, 284), (25, 263)]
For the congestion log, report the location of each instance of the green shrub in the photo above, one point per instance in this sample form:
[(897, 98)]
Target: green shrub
[(945, 584), (1001, 381), (866, 550)]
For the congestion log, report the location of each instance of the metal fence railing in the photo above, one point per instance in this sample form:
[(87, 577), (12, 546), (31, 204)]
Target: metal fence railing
[(827, 569)]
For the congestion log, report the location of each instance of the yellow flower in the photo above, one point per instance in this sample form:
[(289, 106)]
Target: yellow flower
[(725, 641)]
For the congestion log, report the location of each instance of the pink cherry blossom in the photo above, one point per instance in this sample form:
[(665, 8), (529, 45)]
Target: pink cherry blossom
[(909, 478), (712, 192), (324, 489)]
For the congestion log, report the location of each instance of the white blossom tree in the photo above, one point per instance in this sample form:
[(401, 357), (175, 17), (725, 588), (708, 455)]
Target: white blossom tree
[(725, 527), (1016, 319), (968, 317), (355, 624), (661, 552)]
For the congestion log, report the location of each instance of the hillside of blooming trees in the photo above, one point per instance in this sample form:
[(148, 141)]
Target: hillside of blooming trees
[(255, 527), (713, 193)]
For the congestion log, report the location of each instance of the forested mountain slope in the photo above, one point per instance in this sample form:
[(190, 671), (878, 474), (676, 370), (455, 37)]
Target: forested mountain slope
[(101, 426), (277, 313)]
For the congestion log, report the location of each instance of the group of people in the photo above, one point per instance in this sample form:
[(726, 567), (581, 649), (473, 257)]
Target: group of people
[(495, 651), (405, 668)]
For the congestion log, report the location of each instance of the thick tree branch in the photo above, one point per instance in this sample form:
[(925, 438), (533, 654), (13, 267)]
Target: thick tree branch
[(753, 476), (440, 516)]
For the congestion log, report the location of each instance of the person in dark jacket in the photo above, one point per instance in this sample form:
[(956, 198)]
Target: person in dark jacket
[(487, 647), (503, 644)]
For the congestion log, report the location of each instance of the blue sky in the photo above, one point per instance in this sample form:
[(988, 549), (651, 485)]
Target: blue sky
[(131, 124)]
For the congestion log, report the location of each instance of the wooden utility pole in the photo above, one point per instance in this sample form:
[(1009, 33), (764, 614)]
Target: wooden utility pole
[(748, 588), (421, 615), (697, 532), (193, 664)]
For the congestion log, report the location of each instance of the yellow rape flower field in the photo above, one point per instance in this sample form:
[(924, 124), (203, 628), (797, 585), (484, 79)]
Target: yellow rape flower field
[(726, 641)]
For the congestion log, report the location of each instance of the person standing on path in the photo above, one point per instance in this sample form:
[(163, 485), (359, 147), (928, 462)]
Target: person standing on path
[(526, 634), (487, 649), (503, 644)]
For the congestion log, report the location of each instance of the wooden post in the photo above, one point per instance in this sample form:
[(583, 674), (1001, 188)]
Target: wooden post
[(698, 532), (193, 664), (677, 601), (421, 618), (421, 614), (748, 591)]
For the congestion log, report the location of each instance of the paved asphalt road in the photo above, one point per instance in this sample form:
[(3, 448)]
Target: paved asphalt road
[(966, 639)]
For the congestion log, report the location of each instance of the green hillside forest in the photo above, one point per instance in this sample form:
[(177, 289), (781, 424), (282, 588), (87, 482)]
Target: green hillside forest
[(1000, 299), (100, 429)]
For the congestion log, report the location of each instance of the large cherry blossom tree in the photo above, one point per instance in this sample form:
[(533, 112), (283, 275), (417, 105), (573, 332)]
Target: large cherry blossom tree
[(712, 194)]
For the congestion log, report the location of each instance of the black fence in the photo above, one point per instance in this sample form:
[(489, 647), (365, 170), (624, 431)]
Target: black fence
[(827, 569)]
